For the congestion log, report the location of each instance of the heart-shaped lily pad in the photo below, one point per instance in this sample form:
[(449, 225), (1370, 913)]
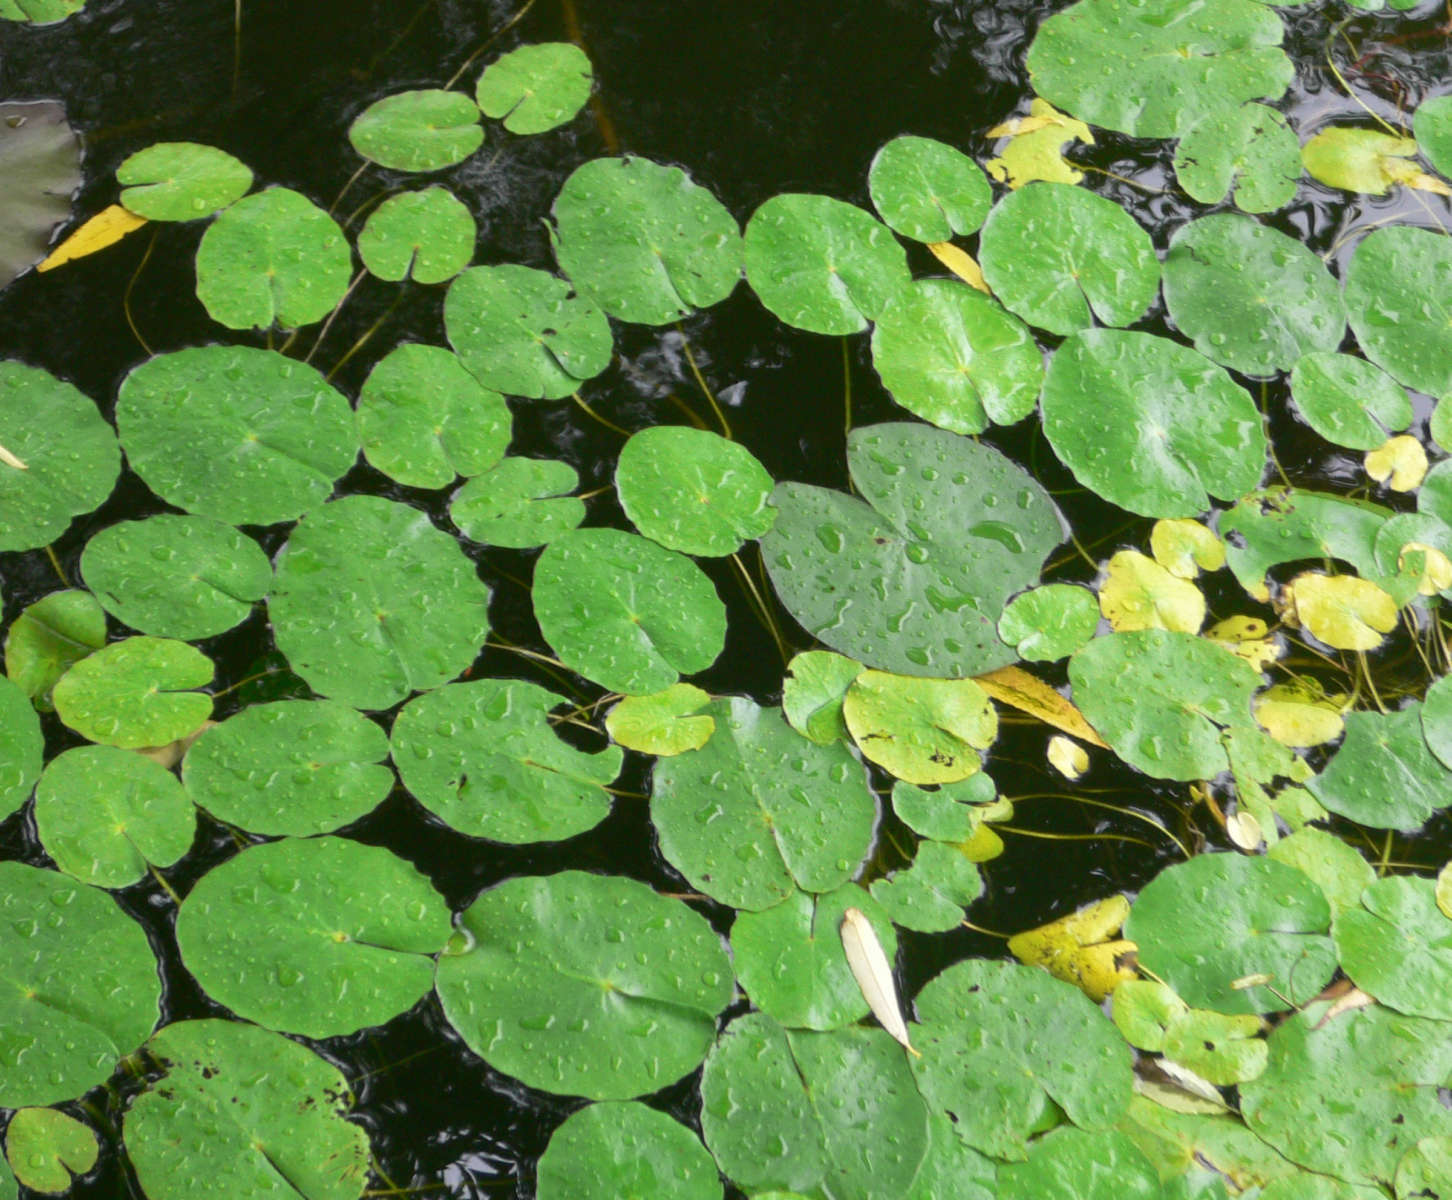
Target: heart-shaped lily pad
[(21, 747), (181, 181), (427, 129), (519, 502), (1360, 160), (1397, 289), (812, 693), (607, 989), (927, 190), (136, 692), (931, 894), (949, 814), (664, 723), (535, 88), (1349, 401), (40, 160), (1384, 775), (1249, 150), (605, 1151), (427, 236), (1050, 622), (921, 730), (48, 638), (1397, 946), (49, 1149)]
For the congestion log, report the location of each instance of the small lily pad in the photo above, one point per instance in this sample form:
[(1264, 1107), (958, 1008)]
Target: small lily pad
[(1344, 611), (1185, 548), (928, 191), (535, 88), (921, 730), (21, 747), (423, 130), (605, 1151), (1335, 867), (1384, 776), (930, 894), (48, 638), (135, 693), (181, 181), (1138, 593), (1400, 463), (1249, 150), (427, 236), (1359, 160), (1397, 946), (519, 502), (48, 1149), (1397, 289), (1432, 125), (1035, 149), (665, 723), (953, 813), (812, 693), (40, 12), (1349, 401), (1049, 623)]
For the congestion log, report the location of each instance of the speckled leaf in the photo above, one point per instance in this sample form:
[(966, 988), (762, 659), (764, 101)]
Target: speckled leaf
[(1399, 301), (1249, 149), (422, 130), (1398, 947), (1287, 525), (921, 730), (21, 747), (1049, 623), (427, 236), (664, 723), (1348, 401), (931, 893), (1384, 776), (519, 503), (181, 181), (135, 693), (926, 190), (40, 159), (609, 1150), (812, 693), (1070, 1164), (48, 638), (535, 88)]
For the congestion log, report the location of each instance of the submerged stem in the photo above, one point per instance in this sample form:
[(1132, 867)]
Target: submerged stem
[(590, 412), (701, 383)]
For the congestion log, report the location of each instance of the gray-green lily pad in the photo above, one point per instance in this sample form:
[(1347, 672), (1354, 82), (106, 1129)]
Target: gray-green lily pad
[(372, 602), (1432, 125), (1249, 150), (1398, 947), (928, 191), (424, 419), (1399, 302), (1384, 776), (1151, 425), (1051, 622), (317, 936), (1063, 258), (237, 433), (253, 1114), (1252, 298), (644, 242), (1349, 401), (606, 989), (535, 88), (68, 451), (273, 258), (519, 503), (48, 638), (1289, 525), (295, 767), (954, 357), (812, 694), (759, 811), (136, 692), (40, 160), (692, 490), (664, 723), (597, 599), (181, 181), (105, 815), (427, 129), (82, 989), (1070, 1164), (931, 893), (179, 577), (822, 264), (912, 577), (484, 757), (49, 1149), (525, 332), (613, 1149), (21, 747), (427, 236)]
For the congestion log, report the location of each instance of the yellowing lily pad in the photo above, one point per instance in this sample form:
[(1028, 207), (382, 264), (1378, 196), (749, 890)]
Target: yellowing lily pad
[(922, 730), (1036, 147), (1185, 548), (1299, 713), (1365, 160), (1138, 593), (1067, 757), (1081, 948), (662, 723), (1400, 463), (1344, 611)]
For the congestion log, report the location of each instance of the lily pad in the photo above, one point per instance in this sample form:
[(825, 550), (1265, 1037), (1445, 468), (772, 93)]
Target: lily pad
[(1288, 525), (1348, 401), (928, 191), (1398, 286), (253, 1114), (181, 181), (952, 1168), (596, 597), (1424, 1168), (953, 356), (1432, 125), (423, 130), (644, 242), (812, 693), (1138, 593), (1249, 150), (1344, 611), (665, 723), (1049, 623), (48, 638), (1384, 776), (427, 236), (821, 264), (40, 12), (519, 502), (264, 437), (535, 88), (21, 747), (294, 767), (759, 811), (921, 730), (136, 692), (605, 1151), (1397, 946), (49, 1149), (1360, 160), (1061, 257), (608, 990), (929, 895), (372, 602), (1437, 720), (40, 162), (1151, 425), (1335, 867), (912, 577), (484, 757), (424, 419), (273, 258), (1070, 1164), (317, 936), (953, 813)]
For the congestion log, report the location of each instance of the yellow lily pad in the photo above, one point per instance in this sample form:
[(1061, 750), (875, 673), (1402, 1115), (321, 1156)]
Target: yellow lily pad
[(1035, 150), (1300, 713), (1185, 548), (1344, 611), (1427, 565), (1081, 949), (1248, 638), (1399, 462), (1138, 593), (1366, 160)]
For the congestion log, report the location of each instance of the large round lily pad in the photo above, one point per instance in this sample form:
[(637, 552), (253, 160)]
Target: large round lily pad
[(181, 181), (48, 638), (427, 236), (1384, 775), (427, 129), (372, 602), (1399, 302), (21, 747), (40, 168), (318, 936), (136, 692), (1397, 946), (535, 88), (605, 1151), (585, 985), (912, 577), (927, 190)]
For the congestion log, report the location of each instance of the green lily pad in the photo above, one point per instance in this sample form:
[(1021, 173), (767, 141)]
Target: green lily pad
[(1051, 622), (1061, 257), (40, 12), (951, 1167), (1384, 776), (1437, 720), (948, 814), (759, 811), (181, 181), (21, 747), (1336, 868), (524, 332), (265, 437), (427, 236), (1398, 947), (1421, 530), (1151, 425), (1201, 925), (48, 638), (1290, 524), (921, 730), (372, 602), (40, 163), (1249, 150), (1348, 401), (1359, 160), (82, 986), (821, 264), (596, 597), (644, 242), (1219, 1048), (1432, 125), (104, 815), (928, 191), (829, 1114), (1425, 1168), (983, 1028), (273, 258), (519, 502), (954, 357), (930, 895), (136, 692), (692, 490), (484, 757), (1070, 1164), (423, 130), (317, 936), (912, 577), (605, 1151), (1397, 289), (1252, 298), (607, 989), (1155, 68), (48, 1149), (790, 960), (536, 88), (252, 1113), (295, 767), (180, 577), (424, 419), (69, 451), (812, 693), (665, 723)]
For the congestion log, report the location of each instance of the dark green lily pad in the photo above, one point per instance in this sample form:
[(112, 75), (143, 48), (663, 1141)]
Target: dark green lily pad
[(535, 88), (519, 502), (927, 190), (48, 638), (664, 723), (1070, 1164), (605, 1151), (812, 693), (930, 894), (1288, 525), (21, 747), (644, 242), (912, 577), (317, 936), (181, 181), (423, 130), (48, 1149), (1051, 622), (759, 811), (1432, 125), (1398, 947), (294, 767), (1384, 776), (265, 437), (40, 163), (1348, 401), (427, 236), (1249, 150), (136, 693), (372, 602), (606, 989), (1399, 302)]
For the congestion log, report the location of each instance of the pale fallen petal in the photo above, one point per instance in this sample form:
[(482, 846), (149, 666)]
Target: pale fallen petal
[(10, 460), (1188, 1080), (1067, 757), (873, 974), (1244, 830)]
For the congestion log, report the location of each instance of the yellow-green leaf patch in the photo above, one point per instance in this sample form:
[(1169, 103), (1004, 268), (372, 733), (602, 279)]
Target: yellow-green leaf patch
[(921, 730), (136, 692)]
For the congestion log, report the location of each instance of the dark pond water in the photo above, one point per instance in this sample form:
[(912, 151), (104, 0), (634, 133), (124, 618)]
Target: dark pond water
[(753, 97)]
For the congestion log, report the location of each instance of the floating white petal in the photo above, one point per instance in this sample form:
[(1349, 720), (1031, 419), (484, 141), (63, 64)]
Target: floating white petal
[(873, 974)]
